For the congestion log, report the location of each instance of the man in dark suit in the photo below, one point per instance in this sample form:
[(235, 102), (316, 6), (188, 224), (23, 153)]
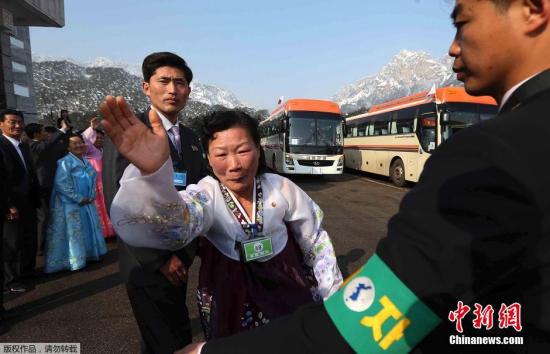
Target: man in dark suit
[(475, 229), (19, 238), (4, 209), (45, 149), (156, 281)]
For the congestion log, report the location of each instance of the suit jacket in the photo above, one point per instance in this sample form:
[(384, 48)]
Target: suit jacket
[(24, 188), (45, 155), (476, 228), (139, 265)]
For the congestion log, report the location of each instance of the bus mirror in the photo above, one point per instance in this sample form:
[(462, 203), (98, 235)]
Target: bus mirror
[(446, 117), (282, 127)]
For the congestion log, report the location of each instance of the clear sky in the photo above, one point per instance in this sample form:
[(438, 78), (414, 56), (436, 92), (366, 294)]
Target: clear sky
[(259, 50)]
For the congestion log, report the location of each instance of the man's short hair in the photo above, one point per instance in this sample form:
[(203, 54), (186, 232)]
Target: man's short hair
[(33, 129), (51, 129), (7, 111), (156, 60)]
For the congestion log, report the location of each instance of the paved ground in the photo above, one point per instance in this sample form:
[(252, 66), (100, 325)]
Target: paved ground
[(90, 306)]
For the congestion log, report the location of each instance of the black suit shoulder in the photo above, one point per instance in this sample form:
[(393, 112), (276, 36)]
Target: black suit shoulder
[(22, 178)]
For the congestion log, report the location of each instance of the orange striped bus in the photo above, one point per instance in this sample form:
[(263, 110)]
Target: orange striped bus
[(304, 136), (396, 138)]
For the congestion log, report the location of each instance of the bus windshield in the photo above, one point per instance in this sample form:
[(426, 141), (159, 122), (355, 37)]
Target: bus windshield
[(462, 115), (314, 133)]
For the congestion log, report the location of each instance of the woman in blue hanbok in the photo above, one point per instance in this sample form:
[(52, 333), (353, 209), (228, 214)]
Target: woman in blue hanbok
[(74, 233)]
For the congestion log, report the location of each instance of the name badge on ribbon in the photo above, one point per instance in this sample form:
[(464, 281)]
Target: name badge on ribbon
[(180, 179), (257, 248)]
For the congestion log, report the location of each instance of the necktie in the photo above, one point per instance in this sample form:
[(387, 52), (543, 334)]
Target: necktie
[(20, 153), (175, 137)]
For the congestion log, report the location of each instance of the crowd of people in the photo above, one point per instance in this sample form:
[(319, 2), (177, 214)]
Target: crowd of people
[(52, 204), (474, 229)]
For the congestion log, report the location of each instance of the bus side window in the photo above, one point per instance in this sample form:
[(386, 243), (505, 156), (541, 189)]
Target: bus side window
[(405, 120), (381, 124), (361, 129), (393, 124)]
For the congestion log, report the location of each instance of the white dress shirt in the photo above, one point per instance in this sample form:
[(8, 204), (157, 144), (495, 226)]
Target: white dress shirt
[(509, 93), (173, 134)]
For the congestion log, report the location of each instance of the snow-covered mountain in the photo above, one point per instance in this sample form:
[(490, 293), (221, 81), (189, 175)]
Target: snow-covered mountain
[(80, 87), (407, 72)]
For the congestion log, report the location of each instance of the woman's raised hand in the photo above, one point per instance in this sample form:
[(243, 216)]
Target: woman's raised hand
[(146, 148)]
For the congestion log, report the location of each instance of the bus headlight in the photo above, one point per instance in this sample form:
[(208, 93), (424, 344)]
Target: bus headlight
[(289, 160), (340, 161)]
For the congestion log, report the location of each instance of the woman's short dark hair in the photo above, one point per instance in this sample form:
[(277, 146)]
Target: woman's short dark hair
[(223, 120), (156, 60), (72, 135)]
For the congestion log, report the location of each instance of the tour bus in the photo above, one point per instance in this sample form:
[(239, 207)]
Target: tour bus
[(304, 136), (397, 137)]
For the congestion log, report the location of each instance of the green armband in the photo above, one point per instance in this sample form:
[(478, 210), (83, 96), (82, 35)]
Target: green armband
[(376, 313)]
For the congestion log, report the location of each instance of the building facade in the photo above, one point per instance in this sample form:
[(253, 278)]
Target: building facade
[(16, 16)]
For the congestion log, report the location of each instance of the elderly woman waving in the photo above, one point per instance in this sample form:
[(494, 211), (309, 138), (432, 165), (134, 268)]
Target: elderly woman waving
[(264, 252)]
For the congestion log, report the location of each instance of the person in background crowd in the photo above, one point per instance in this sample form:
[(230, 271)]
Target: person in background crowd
[(239, 208), (39, 144), (4, 210), (23, 197), (74, 232), (94, 153)]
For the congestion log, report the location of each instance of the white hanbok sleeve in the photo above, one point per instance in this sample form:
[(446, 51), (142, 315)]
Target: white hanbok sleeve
[(304, 218), (149, 212)]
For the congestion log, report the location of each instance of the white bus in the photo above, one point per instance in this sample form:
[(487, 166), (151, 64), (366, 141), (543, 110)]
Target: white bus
[(396, 138), (303, 136)]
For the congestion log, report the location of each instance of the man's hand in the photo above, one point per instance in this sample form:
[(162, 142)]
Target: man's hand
[(174, 271), (85, 201), (146, 148), (193, 348), (65, 126), (13, 214), (94, 123)]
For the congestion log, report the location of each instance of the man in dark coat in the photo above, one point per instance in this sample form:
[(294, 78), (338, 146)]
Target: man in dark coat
[(156, 281), (468, 254), (4, 209), (23, 197), (45, 149)]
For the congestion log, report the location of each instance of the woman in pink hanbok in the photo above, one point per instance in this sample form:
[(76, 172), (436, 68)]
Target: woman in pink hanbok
[(94, 142)]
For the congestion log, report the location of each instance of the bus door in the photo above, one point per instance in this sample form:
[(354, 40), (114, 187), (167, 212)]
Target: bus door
[(405, 141), (427, 136)]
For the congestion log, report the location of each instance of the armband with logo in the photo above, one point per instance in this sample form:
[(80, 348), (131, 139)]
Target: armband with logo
[(376, 312)]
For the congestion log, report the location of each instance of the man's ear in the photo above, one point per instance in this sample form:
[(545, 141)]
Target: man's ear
[(145, 87), (537, 14)]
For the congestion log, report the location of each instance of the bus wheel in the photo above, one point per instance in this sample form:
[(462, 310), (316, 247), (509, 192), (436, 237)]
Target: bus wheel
[(397, 173)]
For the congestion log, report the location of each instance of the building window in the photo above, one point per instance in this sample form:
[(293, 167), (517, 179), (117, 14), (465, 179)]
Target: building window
[(16, 43), (21, 90), (18, 68)]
